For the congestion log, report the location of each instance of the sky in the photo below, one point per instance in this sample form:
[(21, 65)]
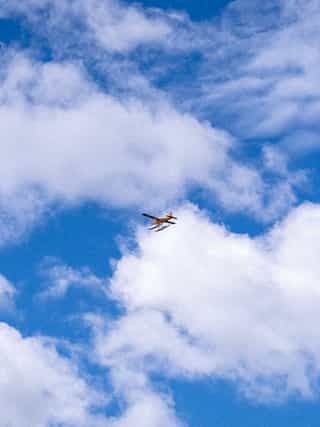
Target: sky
[(208, 109)]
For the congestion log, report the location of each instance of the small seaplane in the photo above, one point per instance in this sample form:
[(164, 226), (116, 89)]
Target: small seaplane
[(161, 223)]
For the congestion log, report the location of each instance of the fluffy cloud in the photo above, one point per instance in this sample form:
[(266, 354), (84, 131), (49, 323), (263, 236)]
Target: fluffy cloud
[(38, 387), (57, 392), (148, 410), (140, 401), (202, 301), (65, 140), (103, 148)]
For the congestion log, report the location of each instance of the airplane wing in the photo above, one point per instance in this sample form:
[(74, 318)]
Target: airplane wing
[(170, 222), (161, 228), (150, 216), (154, 227)]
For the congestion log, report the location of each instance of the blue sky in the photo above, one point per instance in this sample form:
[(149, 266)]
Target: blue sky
[(209, 109)]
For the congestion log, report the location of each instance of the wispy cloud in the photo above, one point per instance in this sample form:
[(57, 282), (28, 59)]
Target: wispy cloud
[(60, 278), (111, 25), (272, 87), (7, 293)]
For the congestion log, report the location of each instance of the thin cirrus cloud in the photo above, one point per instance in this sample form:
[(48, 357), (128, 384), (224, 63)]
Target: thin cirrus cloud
[(271, 91), (236, 308), (111, 25)]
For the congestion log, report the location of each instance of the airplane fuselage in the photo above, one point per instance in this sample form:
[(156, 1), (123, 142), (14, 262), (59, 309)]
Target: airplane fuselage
[(162, 220)]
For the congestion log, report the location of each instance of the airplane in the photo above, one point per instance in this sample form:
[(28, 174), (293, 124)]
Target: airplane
[(161, 223)]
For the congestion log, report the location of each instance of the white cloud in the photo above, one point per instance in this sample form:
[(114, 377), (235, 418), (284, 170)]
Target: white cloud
[(67, 141), (7, 292), (139, 400), (148, 410), (202, 301), (269, 90), (42, 388), (143, 405), (199, 301), (61, 277), (27, 82), (38, 387), (106, 149), (74, 142), (111, 25), (275, 159), (19, 212), (121, 28), (274, 87)]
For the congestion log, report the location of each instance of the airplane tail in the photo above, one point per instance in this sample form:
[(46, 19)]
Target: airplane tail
[(170, 215)]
